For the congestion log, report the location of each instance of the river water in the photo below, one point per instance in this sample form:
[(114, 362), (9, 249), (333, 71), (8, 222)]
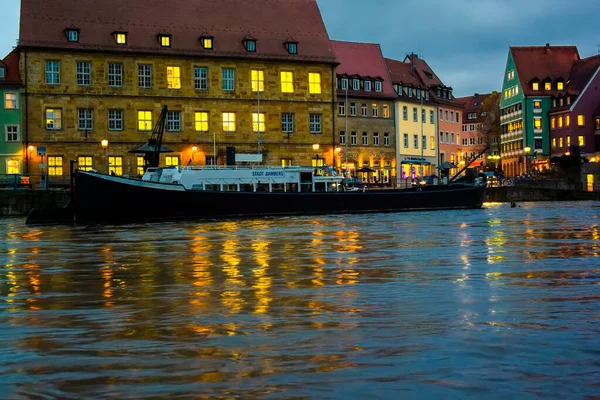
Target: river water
[(494, 303)]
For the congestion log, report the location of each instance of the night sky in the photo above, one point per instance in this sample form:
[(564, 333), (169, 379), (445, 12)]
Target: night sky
[(465, 41)]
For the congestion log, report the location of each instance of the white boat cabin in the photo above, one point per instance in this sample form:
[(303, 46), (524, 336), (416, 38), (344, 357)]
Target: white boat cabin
[(249, 179)]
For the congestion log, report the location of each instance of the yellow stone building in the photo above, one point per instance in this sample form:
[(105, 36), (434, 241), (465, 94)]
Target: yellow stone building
[(257, 82)]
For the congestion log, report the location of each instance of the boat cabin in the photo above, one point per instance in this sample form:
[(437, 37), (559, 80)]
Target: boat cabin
[(249, 179)]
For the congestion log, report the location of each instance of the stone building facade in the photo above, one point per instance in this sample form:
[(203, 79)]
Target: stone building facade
[(254, 89)]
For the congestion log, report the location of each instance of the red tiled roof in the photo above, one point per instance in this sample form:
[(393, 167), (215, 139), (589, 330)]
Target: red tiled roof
[(473, 104), (271, 22), (11, 62), (543, 62), (581, 73), (363, 60), (402, 73), (429, 78)]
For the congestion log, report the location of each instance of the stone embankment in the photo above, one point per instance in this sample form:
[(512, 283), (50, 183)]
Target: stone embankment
[(519, 193), (15, 203)]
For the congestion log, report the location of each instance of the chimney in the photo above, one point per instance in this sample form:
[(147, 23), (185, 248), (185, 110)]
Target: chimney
[(476, 95), (548, 50)]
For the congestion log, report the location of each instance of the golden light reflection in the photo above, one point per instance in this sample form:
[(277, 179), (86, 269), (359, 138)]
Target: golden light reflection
[(107, 274), (263, 282), (496, 241), (232, 296), (33, 274), (203, 279)]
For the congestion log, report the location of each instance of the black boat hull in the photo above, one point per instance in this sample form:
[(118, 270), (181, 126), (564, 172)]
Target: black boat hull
[(101, 198)]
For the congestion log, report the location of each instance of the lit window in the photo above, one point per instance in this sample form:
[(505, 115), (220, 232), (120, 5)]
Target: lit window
[(173, 121), (121, 37), (139, 162), (375, 110), (548, 86), (553, 122), (11, 101), (537, 123), (145, 76), (560, 142), (228, 82), (174, 77), (172, 161), (386, 111), (115, 120), (568, 141), (314, 82), (258, 122), (84, 119), (535, 86), (55, 166), (567, 120), (229, 122), (115, 165), (537, 104), (251, 46), (207, 42), (72, 35), (554, 142), (145, 120), (560, 122), (580, 120), (560, 86), (201, 121), (84, 163), (432, 142), (287, 82), (581, 141), (258, 80), (53, 119), (12, 133), (165, 40), (12, 167), (84, 73)]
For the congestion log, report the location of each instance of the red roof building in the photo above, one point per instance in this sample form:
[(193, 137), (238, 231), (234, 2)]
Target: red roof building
[(365, 118)]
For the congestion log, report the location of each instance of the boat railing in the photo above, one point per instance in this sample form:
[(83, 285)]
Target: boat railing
[(241, 167)]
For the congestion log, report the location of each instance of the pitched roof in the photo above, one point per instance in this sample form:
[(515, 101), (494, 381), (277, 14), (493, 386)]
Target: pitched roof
[(581, 73), (11, 63), (271, 22), (473, 104), (543, 62), (429, 78), (364, 60), (403, 73)]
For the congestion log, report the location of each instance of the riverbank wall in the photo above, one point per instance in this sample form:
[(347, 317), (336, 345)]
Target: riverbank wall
[(519, 194), (17, 203)]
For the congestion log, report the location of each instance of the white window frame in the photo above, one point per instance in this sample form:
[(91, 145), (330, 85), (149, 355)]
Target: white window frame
[(54, 119), (353, 139), (15, 100), (342, 137), (173, 121), (378, 86), (52, 72), (83, 72), (386, 139), (365, 138), (17, 133), (375, 138), (355, 84), (115, 120), (85, 116), (353, 109), (344, 83), (115, 73), (367, 86), (342, 108), (145, 76), (364, 109)]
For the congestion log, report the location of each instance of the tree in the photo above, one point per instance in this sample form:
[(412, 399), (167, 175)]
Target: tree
[(490, 127)]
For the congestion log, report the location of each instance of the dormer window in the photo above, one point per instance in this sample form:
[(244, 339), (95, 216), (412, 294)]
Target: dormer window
[(547, 86), (399, 90), (120, 37), (344, 84), (438, 92), (291, 46), (427, 95), (72, 34), (444, 93), (378, 86), (164, 40), (250, 45), (450, 94), (367, 86), (207, 42), (355, 84), (560, 86), (2, 72), (535, 86)]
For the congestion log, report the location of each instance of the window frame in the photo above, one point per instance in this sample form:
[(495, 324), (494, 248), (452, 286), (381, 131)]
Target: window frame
[(83, 73), (287, 81), (50, 72), (148, 125), (174, 78), (17, 133), (14, 101), (173, 121), (200, 82), (85, 116), (259, 122), (114, 121), (315, 123), (199, 122), (258, 84), (82, 163), (55, 165), (115, 76), (115, 165), (315, 86), (288, 122), (229, 123), (228, 79), (144, 76), (54, 119)]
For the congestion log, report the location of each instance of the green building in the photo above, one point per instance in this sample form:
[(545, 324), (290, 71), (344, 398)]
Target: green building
[(11, 143), (534, 76)]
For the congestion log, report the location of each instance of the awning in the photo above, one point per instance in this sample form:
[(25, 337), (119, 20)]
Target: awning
[(447, 165), (415, 163)]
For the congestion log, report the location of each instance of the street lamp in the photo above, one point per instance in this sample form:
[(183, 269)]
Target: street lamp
[(104, 144), (316, 150), (526, 150), (194, 150), (338, 150)]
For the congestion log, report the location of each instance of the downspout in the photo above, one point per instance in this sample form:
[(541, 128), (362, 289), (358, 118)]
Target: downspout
[(27, 155), (333, 98)]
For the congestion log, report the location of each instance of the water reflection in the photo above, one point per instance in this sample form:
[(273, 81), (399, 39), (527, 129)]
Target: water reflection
[(444, 304)]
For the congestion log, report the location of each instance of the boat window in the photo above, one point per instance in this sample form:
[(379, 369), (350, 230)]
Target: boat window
[(214, 188)]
